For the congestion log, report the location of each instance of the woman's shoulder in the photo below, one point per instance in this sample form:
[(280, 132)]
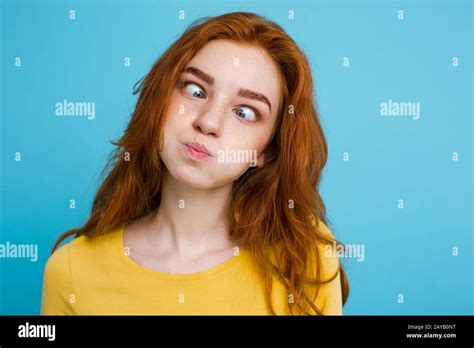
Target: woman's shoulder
[(75, 259), (102, 243), (329, 258), (321, 255), (322, 227), (329, 300), (57, 263), (83, 248)]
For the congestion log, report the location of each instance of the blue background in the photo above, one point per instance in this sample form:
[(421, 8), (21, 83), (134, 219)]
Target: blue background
[(407, 251)]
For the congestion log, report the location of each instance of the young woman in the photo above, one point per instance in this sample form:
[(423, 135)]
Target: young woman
[(211, 205)]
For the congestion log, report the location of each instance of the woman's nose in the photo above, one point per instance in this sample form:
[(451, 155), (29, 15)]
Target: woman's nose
[(210, 121)]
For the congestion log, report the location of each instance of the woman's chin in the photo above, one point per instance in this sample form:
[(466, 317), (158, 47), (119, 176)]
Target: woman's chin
[(194, 181), (197, 178)]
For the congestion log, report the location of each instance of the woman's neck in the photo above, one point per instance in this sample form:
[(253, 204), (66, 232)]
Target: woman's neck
[(190, 221)]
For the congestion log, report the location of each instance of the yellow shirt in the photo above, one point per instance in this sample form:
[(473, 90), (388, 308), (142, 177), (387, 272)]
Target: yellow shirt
[(94, 276)]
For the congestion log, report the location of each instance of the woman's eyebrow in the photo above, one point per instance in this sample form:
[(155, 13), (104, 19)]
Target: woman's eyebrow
[(200, 75), (246, 93)]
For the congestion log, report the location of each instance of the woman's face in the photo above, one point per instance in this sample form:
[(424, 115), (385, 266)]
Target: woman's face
[(227, 102)]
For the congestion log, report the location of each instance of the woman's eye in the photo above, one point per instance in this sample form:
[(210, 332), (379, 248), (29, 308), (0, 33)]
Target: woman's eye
[(193, 90), (244, 112)]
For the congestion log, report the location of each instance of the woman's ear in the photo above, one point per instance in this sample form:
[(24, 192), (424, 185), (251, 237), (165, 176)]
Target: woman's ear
[(261, 159)]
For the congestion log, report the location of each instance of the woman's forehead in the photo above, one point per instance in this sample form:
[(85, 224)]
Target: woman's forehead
[(228, 63)]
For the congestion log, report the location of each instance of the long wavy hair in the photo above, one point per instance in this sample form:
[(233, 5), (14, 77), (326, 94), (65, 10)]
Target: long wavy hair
[(259, 215)]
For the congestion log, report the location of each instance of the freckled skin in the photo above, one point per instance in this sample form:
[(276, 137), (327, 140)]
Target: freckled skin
[(213, 120)]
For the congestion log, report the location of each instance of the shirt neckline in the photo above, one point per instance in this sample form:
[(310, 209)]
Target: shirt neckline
[(171, 276)]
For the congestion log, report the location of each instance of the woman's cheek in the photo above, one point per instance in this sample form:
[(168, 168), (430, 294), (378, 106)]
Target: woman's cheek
[(230, 172)]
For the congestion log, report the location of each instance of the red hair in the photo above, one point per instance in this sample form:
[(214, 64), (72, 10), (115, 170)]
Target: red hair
[(259, 215)]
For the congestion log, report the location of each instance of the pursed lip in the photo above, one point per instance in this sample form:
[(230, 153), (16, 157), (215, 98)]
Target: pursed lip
[(199, 147)]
